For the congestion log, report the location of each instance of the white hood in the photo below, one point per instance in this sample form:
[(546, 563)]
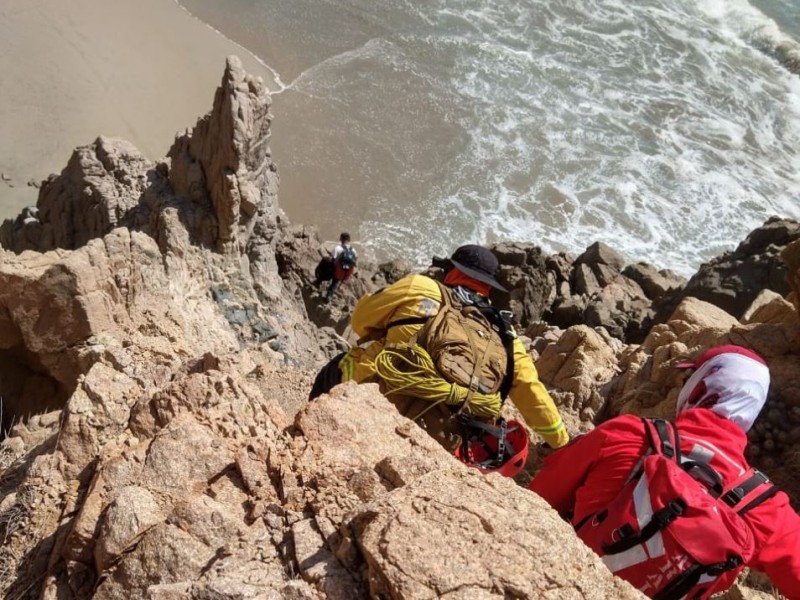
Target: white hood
[(732, 385)]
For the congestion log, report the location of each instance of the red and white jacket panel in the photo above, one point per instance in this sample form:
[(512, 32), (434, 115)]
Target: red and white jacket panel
[(583, 477)]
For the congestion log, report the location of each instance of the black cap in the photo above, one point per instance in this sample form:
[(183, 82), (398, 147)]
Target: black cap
[(479, 263)]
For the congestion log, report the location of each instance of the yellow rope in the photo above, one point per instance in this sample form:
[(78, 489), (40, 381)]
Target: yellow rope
[(410, 371)]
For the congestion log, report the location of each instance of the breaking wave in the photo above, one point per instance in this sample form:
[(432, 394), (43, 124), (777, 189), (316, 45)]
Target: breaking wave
[(758, 30)]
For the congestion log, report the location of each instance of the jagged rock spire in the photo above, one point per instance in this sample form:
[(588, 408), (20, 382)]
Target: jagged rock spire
[(225, 162)]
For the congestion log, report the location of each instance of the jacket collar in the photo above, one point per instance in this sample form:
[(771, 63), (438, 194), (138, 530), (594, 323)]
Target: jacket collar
[(705, 424)]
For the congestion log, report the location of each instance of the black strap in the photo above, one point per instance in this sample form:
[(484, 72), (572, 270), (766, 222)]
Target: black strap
[(759, 500), (666, 444), (660, 520), (377, 334), (736, 494), (507, 335), (683, 583), (712, 480), (407, 321)]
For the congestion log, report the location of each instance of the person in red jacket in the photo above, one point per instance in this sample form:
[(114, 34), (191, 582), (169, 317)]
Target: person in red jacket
[(716, 407)]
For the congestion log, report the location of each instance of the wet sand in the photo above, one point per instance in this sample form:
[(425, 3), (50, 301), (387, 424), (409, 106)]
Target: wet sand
[(70, 71)]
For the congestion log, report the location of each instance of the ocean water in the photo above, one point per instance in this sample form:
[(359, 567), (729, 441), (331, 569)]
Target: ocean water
[(666, 128)]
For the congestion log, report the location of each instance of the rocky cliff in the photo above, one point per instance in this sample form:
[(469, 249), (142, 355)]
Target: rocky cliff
[(158, 337)]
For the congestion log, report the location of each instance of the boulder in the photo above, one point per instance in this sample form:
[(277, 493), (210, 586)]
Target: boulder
[(523, 272), (770, 307), (622, 308), (598, 290), (458, 534), (600, 254), (576, 367), (393, 506), (733, 280), (391, 271), (655, 283), (96, 192), (64, 310)]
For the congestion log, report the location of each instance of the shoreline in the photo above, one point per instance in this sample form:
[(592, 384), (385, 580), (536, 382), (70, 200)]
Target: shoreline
[(141, 70), (276, 77)]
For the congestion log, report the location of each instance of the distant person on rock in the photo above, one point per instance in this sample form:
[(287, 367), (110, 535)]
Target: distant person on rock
[(447, 359), (344, 264), (674, 508)]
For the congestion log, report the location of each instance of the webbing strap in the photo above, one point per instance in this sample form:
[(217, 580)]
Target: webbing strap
[(761, 498), (709, 477), (683, 583), (660, 520), (507, 337), (379, 334), (665, 441), (740, 488), (448, 299)]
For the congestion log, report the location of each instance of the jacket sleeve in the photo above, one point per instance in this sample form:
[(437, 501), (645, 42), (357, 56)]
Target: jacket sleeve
[(779, 557), (565, 471), (533, 400), (412, 296)]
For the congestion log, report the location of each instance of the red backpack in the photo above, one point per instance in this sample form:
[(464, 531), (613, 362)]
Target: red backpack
[(673, 530)]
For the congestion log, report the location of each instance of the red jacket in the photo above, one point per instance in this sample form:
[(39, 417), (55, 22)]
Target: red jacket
[(584, 476)]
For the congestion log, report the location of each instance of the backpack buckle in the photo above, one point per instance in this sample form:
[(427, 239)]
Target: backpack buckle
[(718, 569), (733, 496), (667, 449)]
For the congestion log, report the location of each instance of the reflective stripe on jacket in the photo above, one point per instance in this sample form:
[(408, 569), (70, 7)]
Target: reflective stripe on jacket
[(582, 478), (418, 296)]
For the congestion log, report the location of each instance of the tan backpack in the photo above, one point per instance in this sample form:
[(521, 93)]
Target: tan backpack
[(470, 344)]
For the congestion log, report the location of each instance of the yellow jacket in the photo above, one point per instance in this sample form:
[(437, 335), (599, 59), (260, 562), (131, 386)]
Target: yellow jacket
[(419, 296)]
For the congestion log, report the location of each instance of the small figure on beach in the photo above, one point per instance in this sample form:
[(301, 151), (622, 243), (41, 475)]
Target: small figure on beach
[(338, 267)]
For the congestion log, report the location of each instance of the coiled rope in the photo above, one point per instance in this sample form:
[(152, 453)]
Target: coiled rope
[(410, 371)]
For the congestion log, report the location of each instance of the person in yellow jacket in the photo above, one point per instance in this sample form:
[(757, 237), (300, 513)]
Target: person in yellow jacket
[(395, 314)]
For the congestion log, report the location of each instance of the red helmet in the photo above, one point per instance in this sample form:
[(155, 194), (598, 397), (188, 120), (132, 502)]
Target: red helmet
[(502, 449)]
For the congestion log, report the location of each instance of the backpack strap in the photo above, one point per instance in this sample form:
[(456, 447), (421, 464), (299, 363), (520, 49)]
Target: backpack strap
[(507, 336), (663, 438), (448, 298), (745, 488), (681, 585), (659, 520)]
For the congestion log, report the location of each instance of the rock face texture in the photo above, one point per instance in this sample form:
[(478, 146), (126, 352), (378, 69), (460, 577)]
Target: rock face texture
[(183, 253), (595, 289), (197, 489), (94, 193), (158, 338), (732, 281), (425, 525)]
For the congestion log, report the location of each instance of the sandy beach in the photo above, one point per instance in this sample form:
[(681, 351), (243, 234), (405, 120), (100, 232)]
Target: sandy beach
[(137, 69)]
